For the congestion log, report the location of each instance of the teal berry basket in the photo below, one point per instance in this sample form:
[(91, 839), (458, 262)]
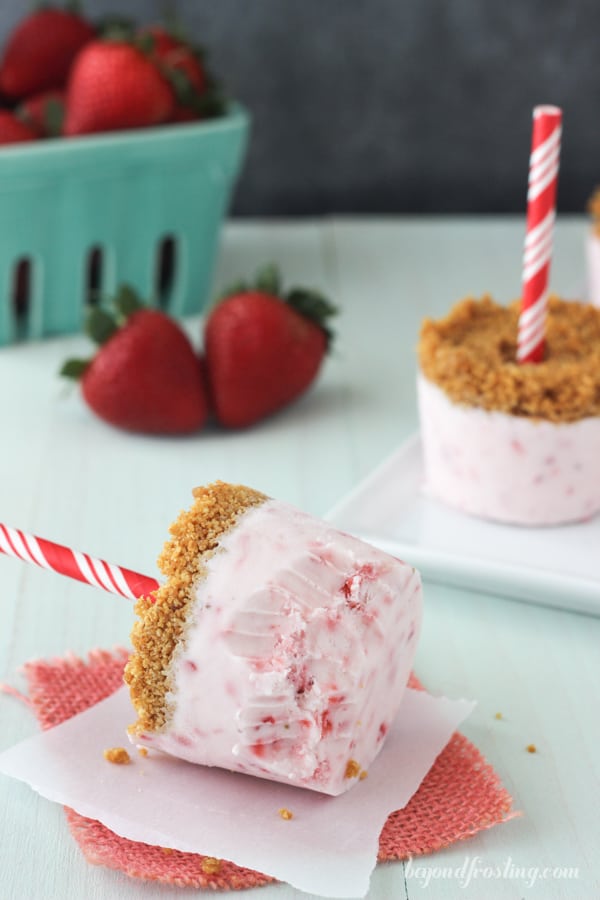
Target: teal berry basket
[(80, 216)]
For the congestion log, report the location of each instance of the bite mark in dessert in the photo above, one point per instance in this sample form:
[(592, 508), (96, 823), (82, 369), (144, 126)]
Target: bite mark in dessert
[(279, 646)]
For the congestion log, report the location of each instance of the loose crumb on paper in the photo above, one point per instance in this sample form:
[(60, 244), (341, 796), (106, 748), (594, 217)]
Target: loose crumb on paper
[(364, 774), (531, 748), (498, 715), (210, 865), (286, 813), (143, 751), (117, 755)]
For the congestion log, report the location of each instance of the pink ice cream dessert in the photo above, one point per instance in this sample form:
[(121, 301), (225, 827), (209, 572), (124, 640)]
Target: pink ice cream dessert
[(512, 443), (278, 647)]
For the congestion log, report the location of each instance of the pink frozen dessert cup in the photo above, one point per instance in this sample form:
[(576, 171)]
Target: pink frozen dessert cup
[(518, 444), (278, 647)]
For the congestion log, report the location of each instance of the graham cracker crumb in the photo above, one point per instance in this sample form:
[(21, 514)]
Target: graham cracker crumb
[(471, 355), (162, 617), (143, 751), (364, 774), (166, 850), (531, 748), (117, 755), (210, 865), (352, 769), (498, 715), (286, 814)]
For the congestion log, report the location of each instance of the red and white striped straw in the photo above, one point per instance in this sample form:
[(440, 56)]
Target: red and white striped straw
[(74, 564), (541, 212)]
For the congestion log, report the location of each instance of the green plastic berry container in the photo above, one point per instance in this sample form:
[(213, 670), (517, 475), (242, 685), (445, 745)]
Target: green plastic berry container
[(80, 216)]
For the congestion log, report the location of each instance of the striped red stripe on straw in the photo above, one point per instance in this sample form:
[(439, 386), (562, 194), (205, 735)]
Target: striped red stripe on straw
[(541, 212), (74, 564)]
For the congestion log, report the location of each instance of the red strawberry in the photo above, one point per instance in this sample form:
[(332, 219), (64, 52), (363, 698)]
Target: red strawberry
[(113, 86), (183, 68), (188, 81), (263, 350), (162, 41), (40, 51), (145, 376), (13, 131), (43, 113)]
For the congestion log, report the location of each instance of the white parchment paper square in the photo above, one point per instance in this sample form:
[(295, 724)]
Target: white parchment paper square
[(330, 845)]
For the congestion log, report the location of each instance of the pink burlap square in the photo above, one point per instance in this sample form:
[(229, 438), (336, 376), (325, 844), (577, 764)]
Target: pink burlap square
[(460, 796)]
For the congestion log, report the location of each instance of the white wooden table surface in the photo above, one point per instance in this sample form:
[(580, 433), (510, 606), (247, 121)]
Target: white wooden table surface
[(66, 476)]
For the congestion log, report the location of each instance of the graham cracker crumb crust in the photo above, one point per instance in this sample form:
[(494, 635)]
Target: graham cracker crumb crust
[(162, 617), (471, 355)]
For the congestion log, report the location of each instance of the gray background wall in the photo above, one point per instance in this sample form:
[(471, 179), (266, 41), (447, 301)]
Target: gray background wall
[(397, 105)]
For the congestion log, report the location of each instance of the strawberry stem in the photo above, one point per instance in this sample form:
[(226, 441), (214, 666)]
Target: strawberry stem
[(100, 325), (268, 280), (54, 113), (127, 301), (74, 368), (236, 287), (314, 306), (119, 29), (145, 43)]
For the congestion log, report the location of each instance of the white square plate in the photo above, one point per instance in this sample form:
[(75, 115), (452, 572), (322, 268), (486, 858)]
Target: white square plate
[(557, 566)]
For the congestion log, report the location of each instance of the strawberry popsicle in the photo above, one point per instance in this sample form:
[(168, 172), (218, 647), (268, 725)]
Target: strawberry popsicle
[(279, 647)]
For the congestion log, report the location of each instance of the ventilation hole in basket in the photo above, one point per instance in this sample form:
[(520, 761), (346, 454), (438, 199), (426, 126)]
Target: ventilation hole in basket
[(166, 269), (21, 292), (94, 276)]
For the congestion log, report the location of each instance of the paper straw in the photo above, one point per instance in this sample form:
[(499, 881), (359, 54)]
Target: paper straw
[(74, 564), (541, 212)]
